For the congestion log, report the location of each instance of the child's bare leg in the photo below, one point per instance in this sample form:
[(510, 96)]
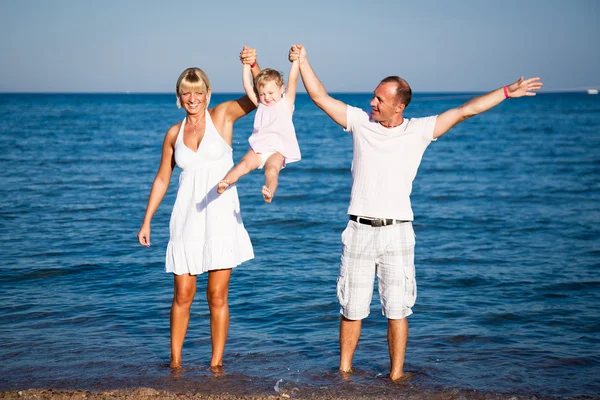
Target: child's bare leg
[(248, 163), (272, 168)]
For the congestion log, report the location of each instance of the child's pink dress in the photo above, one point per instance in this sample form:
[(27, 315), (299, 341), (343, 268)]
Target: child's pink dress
[(274, 131)]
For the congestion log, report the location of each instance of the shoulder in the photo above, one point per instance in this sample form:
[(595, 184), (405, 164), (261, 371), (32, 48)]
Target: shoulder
[(356, 117), (423, 126), (357, 113), (422, 121), (173, 132), (219, 113), (222, 120)]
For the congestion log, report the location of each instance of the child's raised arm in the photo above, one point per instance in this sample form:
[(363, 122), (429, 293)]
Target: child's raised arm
[(290, 93), (248, 86)]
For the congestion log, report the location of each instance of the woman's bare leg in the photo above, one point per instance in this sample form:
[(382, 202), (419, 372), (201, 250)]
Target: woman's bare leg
[(216, 294), (183, 296)]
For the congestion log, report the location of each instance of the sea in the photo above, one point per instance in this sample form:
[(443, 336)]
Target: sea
[(507, 220)]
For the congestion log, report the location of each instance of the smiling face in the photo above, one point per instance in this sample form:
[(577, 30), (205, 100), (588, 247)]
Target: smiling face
[(385, 105), (193, 90), (193, 98), (270, 93)]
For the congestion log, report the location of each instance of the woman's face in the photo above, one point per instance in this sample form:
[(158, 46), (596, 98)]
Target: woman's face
[(193, 101)]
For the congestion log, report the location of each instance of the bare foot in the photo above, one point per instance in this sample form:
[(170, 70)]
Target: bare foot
[(217, 370), (224, 184), (267, 194), (406, 376), (345, 375), (176, 372)]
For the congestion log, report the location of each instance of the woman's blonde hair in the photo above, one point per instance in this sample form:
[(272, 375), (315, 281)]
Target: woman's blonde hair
[(192, 79)]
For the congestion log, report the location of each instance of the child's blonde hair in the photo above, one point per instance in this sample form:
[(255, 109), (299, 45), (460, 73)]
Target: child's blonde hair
[(268, 75)]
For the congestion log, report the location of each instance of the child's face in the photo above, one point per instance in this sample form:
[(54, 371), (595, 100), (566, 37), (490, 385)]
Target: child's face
[(270, 93)]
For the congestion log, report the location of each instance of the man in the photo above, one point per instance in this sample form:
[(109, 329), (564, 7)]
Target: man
[(379, 237)]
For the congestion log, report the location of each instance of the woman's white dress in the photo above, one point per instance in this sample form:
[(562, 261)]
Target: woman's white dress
[(206, 228)]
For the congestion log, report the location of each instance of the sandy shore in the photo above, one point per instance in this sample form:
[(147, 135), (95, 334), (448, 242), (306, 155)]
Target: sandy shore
[(141, 394), (152, 394)]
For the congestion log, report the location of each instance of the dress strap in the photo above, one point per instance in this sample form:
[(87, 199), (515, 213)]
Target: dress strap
[(209, 124), (180, 134)]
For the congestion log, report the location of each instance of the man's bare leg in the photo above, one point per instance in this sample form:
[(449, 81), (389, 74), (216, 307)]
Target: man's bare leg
[(272, 167), (397, 340), (248, 163), (183, 296), (349, 335)]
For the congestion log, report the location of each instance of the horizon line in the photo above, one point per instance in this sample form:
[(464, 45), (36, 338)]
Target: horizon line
[(302, 93)]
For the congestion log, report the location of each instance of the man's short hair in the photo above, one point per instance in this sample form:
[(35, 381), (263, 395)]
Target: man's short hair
[(403, 90)]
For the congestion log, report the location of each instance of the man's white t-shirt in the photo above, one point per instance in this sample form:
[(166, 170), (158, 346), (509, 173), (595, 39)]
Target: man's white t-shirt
[(385, 163)]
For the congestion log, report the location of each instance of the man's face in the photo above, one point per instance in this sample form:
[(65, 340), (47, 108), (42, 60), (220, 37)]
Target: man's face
[(384, 104)]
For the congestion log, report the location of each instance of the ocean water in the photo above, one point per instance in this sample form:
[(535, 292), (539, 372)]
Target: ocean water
[(507, 217)]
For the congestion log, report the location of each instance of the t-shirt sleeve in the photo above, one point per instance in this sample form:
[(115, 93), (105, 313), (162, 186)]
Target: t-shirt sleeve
[(354, 117), (425, 127)]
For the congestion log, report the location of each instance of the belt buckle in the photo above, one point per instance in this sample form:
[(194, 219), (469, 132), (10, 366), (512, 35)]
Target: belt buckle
[(377, 223)]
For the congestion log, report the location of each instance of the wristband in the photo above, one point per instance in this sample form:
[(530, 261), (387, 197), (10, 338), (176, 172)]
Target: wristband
[(506, 96), (253, 65)]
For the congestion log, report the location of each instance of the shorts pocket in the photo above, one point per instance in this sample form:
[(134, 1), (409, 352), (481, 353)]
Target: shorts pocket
[(346, 233), (343, 289), (410, 286), (342, 282)]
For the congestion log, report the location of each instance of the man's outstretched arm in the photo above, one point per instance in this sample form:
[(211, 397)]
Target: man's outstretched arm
[(478, 105), (335, 109)]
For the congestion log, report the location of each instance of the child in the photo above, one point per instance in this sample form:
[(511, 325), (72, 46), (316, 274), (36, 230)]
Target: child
[(273, 141)]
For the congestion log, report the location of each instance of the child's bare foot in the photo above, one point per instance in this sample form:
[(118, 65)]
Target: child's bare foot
[(224, 184), (267, 194)]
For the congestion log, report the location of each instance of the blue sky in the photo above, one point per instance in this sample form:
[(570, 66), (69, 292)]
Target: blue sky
[(142, 46)]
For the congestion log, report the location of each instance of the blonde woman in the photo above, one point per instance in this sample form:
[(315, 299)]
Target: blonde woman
[(206, 230)]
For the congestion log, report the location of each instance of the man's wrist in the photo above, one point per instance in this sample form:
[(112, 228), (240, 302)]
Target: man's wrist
[(506, 96)]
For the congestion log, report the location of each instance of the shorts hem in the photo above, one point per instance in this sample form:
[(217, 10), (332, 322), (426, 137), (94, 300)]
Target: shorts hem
[(353, 317), (400, 315)]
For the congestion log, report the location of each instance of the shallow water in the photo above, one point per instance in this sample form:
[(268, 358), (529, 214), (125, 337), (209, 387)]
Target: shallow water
[(507, 216)]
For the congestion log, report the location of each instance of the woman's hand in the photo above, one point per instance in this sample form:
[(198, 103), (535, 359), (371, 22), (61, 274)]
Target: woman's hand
[(248, 55), (144, 236)]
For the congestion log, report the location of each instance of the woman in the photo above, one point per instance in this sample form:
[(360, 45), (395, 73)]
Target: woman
[(207, 233)]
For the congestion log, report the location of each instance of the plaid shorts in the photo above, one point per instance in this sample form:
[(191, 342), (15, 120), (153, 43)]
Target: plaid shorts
[(387, 251)]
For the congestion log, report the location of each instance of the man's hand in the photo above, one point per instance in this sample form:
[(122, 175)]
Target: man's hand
[(524, 87), (297, 52)]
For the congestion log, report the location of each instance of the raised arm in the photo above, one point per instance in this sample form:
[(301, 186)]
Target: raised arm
[(290, 93), (247, 82), (335, 109), (233, 110), (478, 105), (248, 56), (226, 113)]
